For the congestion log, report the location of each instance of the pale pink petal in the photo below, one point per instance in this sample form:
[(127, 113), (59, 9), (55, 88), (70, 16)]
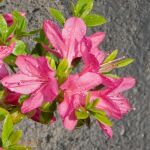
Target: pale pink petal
[(63, 108), (33, 66), (90, 62), (6, 50), (76, 84), (106, 129), (50, 90), (99, 54), (124, 84), (73, 32), (70, 122), (3, 71), (35, 101), (88, 81), (21, 83), (54, 36), (107, 105), (97, 39), (122, 103)]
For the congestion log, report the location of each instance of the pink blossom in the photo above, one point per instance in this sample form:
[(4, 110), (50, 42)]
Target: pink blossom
[(75, 89), (66, 41), (9, 18), (106, 129), (6, 50), (111, 99), (36, 78), (3, 70)]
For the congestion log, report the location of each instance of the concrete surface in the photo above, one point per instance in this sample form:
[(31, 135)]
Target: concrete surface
[(128, 29)]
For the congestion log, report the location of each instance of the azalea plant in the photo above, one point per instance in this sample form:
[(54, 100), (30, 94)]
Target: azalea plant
[(65, 73)]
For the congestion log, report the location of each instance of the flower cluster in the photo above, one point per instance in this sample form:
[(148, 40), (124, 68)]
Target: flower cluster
[(67, 72)]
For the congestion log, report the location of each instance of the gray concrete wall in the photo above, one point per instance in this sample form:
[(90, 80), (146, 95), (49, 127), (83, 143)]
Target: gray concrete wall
[(128, 29)]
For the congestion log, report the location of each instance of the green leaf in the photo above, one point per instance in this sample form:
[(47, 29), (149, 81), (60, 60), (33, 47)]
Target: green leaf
[(51, 60), (46, 117), (112, 75), (92, 20), (111, 57), (17, 116), (124, 62), (19, 48), (19, 147), (88, 96), (20, 23), (102, 118), (95, 110), (15, 137), (10, 60), (83, 8), (81, 114), (62, 67), (63, 71), (23, 98), (3, 28), (56, 14), (7, 129), (93, 103), (3, 113)]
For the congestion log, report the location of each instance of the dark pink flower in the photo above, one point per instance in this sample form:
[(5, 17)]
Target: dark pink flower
[(6, 50), (36, 78), (75, 89), (65, 42), (9, 18), (112, 100)]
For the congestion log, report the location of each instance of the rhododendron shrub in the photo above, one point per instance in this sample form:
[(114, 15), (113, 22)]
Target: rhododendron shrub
[(67, 73)]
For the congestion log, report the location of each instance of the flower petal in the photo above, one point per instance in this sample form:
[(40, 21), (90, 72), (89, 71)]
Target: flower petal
[(76, 84), (33, 66), (54, 36), (3, 71), (107, 130), (73, 32), (70, 122), (123, 85), (21, 83), (122, 103), (6, 50), (97, 38), (35, 101)]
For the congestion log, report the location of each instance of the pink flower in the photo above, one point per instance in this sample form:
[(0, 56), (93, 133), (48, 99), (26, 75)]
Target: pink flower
[(112, 101), (9, 18), (3, 70), (106, 129), (6, 50), (11, 98), (75, 89), (36, 78), (65, 42)]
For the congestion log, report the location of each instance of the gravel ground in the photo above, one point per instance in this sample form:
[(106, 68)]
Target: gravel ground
[(128, 29)]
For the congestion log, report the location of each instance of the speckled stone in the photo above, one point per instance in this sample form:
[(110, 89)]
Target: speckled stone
[(128, 29)]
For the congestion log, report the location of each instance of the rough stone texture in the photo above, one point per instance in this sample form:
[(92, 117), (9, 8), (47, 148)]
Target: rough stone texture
[(128, 29)]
